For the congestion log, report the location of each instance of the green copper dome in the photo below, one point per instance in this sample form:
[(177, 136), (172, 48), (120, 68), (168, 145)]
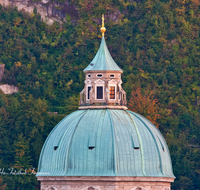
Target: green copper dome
[(105, 142), (103, 60)]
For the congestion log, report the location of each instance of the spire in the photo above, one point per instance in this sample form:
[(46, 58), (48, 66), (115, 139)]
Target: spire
[(103, 60), (103, 29)]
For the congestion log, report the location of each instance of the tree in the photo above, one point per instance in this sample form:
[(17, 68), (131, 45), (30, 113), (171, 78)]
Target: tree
[(145, 105), (2, 184), (22, 157)]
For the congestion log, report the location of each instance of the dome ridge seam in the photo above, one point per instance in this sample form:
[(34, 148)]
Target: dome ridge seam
[(113, 141), (46, 141), (139, 138), (155, 143), (66, 167)]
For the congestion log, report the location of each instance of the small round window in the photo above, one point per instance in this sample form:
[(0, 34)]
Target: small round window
[(99, 75), (89, 76), (112, 76)]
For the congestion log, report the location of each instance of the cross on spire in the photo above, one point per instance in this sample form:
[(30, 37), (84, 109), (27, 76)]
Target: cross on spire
[(103, 29)]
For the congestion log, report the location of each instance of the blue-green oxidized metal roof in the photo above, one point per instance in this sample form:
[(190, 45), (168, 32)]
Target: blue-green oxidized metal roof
[(103, 60), (105, 143)]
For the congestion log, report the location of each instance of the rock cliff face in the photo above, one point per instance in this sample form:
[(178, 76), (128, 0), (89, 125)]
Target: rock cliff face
[(49, 12), (9, 89), (2, 66)]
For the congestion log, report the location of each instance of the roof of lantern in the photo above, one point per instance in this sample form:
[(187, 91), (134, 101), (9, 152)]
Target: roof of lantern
[(103, 60)]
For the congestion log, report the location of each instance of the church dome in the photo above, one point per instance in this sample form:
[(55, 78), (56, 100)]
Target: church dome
[(103, 145), (105, 142)]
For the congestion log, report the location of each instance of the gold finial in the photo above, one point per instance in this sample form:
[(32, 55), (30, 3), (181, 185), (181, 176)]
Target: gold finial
[(103, 29)]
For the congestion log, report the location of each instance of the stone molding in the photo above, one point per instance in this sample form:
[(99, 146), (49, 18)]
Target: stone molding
[(101, 178), (102, 107), (106, 80), (104, 183)]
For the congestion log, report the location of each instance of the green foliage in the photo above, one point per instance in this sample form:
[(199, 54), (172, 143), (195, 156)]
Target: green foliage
[(156, 43)]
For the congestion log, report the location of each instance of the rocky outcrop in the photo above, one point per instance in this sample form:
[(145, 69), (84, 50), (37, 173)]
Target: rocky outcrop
[(49, 11), (8, 89), (2, 66)]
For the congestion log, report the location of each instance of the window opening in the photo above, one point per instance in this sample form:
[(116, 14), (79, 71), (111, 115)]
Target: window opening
[(135, 143), (92, 141), (112, 75), (89, 88), (89, 76), (55, 147), (99, 92), (99, 75), (112, 92)]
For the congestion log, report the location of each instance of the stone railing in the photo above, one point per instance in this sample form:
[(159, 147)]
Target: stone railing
[(121, 97)]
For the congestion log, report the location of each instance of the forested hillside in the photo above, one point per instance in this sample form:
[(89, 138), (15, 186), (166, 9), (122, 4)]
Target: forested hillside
[(155, 42)]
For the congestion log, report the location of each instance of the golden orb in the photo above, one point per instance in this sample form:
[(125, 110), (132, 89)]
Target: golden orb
[(103, 29)]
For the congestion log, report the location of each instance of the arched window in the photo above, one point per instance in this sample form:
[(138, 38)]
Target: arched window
[(112, 85), (91, 188), (99, 92), (99, 89), (112, 92)]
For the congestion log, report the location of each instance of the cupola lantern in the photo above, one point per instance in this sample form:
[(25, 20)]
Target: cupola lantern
[(103, 81)]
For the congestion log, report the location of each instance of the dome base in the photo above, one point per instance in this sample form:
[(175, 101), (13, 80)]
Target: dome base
[(103, 107), (105, 183)]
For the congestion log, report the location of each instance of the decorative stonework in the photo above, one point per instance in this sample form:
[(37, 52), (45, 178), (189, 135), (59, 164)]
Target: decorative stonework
[(108, 80), (138, 188), (52, 188), (105, 183), (91, 188)]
